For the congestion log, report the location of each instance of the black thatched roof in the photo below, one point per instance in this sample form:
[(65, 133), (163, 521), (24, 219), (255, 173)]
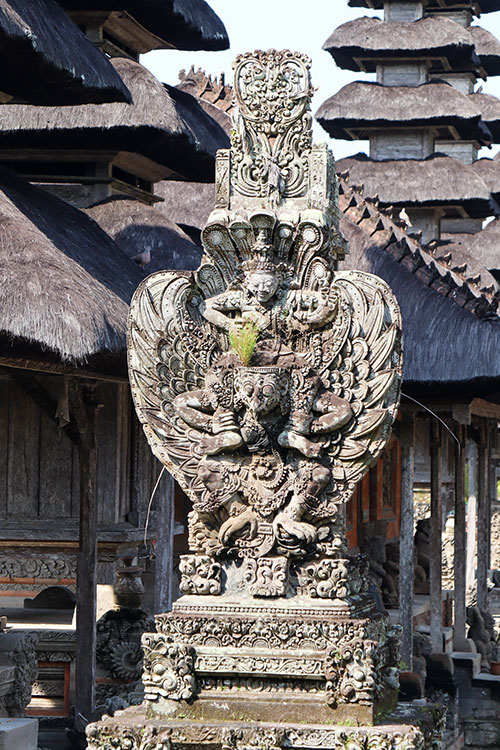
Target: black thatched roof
[(65, 286), (360, 107), (139, 229), (162, 123), (477, 6), (360, 44), (489, 107), (440, 314), (436, 181), (45, 58), (182, 24)]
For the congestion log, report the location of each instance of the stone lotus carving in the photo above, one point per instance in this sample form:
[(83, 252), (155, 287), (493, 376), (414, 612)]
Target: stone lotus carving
[(268, 449)]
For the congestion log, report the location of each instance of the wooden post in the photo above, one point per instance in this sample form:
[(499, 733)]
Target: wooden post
[(406, 542), (483, 515), (436, 541), (459, 561), (471, 514), (492, 477), (164, 545), (86, 572)]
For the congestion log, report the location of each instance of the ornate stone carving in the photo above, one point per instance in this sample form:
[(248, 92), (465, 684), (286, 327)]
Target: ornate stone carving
[(267, 576), (341, 579), (199, 575), (168, 669), (268, 381), (119, 636), (27, 566), (17, 651)]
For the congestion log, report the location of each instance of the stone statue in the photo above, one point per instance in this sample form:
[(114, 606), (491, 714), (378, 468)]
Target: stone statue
[(267, 383)]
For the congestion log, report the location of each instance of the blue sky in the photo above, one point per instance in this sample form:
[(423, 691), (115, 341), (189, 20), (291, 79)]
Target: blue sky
[(288, 24)]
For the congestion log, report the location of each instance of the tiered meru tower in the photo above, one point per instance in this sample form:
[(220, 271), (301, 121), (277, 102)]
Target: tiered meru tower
[(421, 118)]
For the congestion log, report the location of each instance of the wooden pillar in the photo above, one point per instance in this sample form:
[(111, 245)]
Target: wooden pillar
[(86, 572), (459, 561), (471, 514), (406, 542), (483, 514), (164, 545), (436, 534), (492, 476)]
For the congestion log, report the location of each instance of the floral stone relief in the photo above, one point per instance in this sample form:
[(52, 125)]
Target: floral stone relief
[(267, 383)]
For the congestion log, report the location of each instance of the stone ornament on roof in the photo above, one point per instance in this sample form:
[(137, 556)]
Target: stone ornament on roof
[(267, 383)]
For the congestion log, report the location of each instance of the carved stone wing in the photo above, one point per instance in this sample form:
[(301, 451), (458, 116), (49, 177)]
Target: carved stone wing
[(366, 372), (170, 349)]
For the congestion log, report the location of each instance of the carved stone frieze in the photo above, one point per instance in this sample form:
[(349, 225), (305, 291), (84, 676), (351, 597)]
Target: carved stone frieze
[(199, 575), (56, 568), (341, 579), (168, 669), (267, 576)]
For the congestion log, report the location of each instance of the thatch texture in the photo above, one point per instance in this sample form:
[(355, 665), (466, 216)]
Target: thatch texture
[(186, 203), (435, 181), (485, 246), (182, 24), (489, 107), (372, 40), (440, 313), (65, 285), (483, 6), (162, 123), (45, 58), (361, 106), (138, 229), (489, 171), (487, 49)]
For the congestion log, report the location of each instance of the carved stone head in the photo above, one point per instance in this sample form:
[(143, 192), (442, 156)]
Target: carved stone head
[(261, 390)]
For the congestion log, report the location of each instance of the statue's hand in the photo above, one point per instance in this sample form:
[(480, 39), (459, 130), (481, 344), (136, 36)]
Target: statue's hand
[(304, 532), (236, 523)]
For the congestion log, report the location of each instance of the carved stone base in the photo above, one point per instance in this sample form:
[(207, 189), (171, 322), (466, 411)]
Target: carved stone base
[(133, 730)]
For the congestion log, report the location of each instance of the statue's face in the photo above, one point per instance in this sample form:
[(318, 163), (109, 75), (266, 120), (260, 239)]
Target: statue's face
[(263, 285), (261, 393)]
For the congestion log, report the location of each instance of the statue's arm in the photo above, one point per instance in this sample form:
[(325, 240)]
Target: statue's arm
[(190, 406), (214, 309)]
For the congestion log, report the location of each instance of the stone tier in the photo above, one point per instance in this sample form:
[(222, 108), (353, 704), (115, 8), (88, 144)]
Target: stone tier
[(133, 729)]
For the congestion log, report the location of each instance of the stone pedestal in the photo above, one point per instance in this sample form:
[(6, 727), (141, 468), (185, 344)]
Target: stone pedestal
[(18, 734)]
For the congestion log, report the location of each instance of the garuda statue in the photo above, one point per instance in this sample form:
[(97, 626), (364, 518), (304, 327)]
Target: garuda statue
[(267, 381)]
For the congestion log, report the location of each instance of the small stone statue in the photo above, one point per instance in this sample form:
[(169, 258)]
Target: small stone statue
[(480, 635)]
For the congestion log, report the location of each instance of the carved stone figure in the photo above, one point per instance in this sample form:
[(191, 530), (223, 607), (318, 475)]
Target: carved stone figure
[(267, 383)]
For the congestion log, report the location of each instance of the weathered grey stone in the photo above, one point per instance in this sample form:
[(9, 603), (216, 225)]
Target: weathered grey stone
[(18, 734)]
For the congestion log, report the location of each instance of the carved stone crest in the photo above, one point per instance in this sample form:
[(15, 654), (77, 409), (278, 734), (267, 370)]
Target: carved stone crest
[(199, 575), (168, 669)]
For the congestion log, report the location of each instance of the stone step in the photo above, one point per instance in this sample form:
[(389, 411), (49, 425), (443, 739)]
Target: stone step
[(17, 734)]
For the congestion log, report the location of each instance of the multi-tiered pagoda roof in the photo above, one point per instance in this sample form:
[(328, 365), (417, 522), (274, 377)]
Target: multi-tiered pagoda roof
[(424, 122)]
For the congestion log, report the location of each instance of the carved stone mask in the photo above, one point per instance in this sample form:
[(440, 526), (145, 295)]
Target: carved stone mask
[(263, 285), (260, 389)]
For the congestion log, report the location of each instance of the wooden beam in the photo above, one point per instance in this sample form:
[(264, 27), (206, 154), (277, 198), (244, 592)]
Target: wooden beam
[(164, 545), (406, 542), (85, 409), (436, 540), (57, 368), (483, 514), (460, 541)]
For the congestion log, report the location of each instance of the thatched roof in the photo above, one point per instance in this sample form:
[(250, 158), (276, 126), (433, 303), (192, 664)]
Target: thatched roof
[(487, 49), (442, 314), (162, 123), (186, 203), (436, 181), (485, 247), (360, 44), (214, 96), (489, 107), (140, 229), (45, 58), (359, 107), (489, 171), (477, 6), (65, 285), (182, 24)]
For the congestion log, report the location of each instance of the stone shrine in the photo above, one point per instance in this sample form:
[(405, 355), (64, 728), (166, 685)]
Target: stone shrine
[(267, 383)]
